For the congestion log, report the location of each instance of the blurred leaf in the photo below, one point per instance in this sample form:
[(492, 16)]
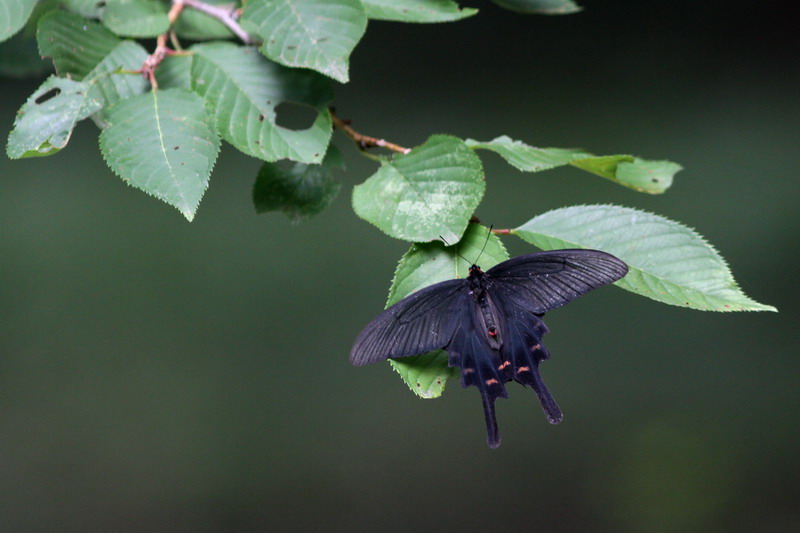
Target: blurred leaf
[(668, 262), (315, 34), (430, 192), (86, 8), (428, 263), (416, 10), (175, 71), (13, 16), (244, 88), (136, 18), (45, 122), (76, 45), (196, 25), (540, 7), (301, 190), (112, 85), (19, 58), (639, 174), (163, 143)]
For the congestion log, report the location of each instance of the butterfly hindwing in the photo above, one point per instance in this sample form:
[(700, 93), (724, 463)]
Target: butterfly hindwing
[(543, 281), (417, 324), (523, 350)]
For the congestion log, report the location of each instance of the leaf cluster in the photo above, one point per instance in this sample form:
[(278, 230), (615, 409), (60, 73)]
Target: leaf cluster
[(221, 71)]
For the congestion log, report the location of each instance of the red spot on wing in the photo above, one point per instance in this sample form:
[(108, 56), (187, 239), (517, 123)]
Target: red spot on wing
[(523, 369), (505, 364), (492, 381)]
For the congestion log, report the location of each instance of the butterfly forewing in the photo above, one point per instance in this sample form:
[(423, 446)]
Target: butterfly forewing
[(420, 323), (546, 280)]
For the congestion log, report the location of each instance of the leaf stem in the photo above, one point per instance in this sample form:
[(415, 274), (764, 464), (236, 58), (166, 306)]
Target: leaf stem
[(364, 141), (502, 231)]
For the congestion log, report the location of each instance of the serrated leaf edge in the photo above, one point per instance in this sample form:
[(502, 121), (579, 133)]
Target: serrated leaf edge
[(733, 283)]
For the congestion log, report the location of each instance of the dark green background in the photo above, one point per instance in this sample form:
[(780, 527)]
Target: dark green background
[(161, 375)]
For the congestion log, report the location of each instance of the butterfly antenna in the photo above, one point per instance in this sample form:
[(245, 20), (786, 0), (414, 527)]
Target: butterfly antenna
[(484, 244), (455, 249)]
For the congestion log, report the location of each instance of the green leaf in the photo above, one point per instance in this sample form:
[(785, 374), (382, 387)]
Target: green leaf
[(301, 190), (76, 45), (431, 262), (426, 264), (668, 262), (136, 18), (430, 192), (112, 85), (540, 7), (244, 88), (175, 71), (19, 58), (642, 175), (315, 34), (528, 158), (416, 10), (45, 122), (163, 143), (198, 26), (86, 8), (426, 375), (13, 16)]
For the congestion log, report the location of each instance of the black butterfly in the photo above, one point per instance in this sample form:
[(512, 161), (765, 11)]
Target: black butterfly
[(490, 323)]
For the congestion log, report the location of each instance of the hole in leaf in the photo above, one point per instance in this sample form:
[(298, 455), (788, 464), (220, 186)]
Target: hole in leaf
[(295, 116), (52, 93), (102, 3)]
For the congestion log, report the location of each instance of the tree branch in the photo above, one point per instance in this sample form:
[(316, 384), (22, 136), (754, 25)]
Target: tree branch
[(150, 65), (365, 141), (226, 15)]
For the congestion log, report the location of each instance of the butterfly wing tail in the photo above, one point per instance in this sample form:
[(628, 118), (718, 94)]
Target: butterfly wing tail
[(524, 348), (492, 432), (551, 409), (478, 364)]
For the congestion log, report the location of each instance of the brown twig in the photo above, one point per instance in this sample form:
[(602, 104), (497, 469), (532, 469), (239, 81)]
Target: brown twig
[(150, 64), (226, 15), (365, 141)]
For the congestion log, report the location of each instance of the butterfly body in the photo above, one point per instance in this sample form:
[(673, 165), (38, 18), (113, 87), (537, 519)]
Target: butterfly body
[(490, 323)]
